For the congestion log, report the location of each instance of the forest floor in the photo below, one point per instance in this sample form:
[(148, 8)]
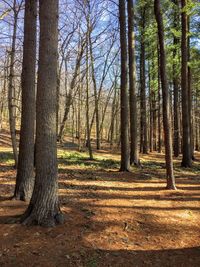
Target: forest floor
[(111, 218)]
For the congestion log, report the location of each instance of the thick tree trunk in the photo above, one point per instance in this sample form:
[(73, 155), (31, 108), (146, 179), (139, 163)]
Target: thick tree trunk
[(134, 155), (125, 156), (166, 100), (44, 206), (25, 170), (186, 147)]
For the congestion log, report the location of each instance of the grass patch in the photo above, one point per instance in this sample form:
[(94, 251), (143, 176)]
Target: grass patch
[(6, 157), (92, 262), (153, 165), (81, 159)]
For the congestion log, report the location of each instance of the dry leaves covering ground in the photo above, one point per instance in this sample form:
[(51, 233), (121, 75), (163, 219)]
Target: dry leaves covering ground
[(111, 218)]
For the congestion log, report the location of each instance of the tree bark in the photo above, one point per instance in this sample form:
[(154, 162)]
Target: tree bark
[(88, 141), (96, 101), (134, 155), (176, 144), (125, 155), (3, 92), (143, 120), (166, 100), (113, 115), (190, 92), (44, 206), (159, 107), (11, 105), (186, 147), (25, 170)]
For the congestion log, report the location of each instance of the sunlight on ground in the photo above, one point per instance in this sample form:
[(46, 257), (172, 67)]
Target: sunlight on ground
[(108, 214)]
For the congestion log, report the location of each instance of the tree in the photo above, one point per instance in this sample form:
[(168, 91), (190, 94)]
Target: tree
[(166, 101), (44, 206), (176, 42), (134, 155), (94, 85), (25, 169), (11, 102), (3, 92), (186, 160), (125, 156), (72, 92), (159, 104), (88, 140), (143, 120)]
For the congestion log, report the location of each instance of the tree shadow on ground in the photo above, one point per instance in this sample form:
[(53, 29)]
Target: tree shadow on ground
[(112, 219), (80, 242)]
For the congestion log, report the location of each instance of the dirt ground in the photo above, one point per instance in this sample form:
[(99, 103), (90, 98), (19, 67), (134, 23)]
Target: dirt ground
[(111, 218)]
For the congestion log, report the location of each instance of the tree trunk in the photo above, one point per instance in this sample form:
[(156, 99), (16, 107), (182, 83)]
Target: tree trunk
[(159, 107), (125, 156), (186, 160), (25, 170), (79, 135), (134, 155), (166, 100), (3, 92), (154, 120), (143, 121), (113, 114), (150, 111), (197, 120), (11, 105), (44, 206), (190, 92), (176, 84), (95, 93), (88, 141)]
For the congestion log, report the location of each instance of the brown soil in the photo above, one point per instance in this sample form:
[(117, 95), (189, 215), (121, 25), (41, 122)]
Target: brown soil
[(111, 219)]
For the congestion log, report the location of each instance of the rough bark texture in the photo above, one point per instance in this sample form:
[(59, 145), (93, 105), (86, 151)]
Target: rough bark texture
[(150, 110), (44, 206), (154, 108), (134, 155), (166, 100), (25, 170), (143, 120), (125, 156), (159, 107), (190, 93), (186, 147), (176, 144)]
